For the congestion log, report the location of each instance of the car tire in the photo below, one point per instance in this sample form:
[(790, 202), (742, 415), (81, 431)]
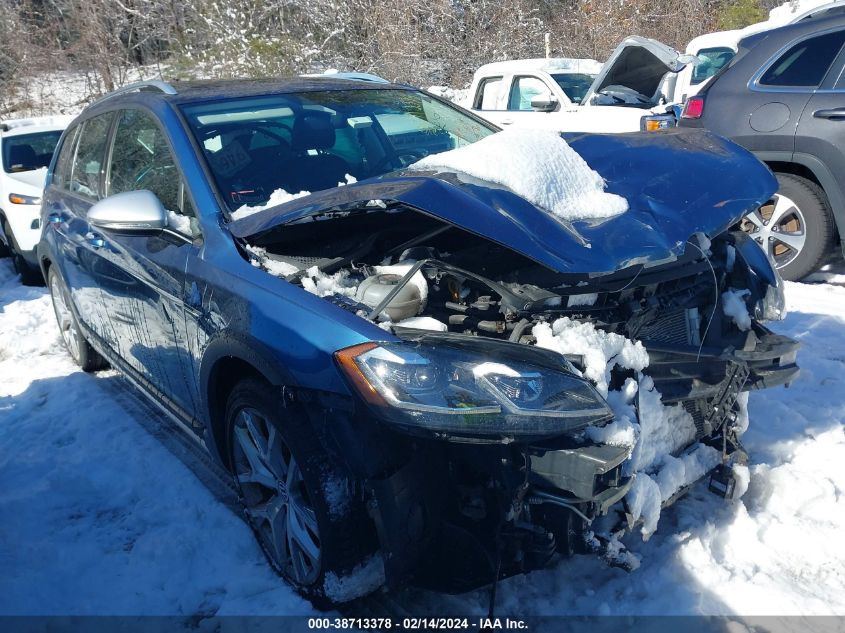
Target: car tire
[(802, 216), (29, 276), (281, 469), (4, 250), (78, 347)]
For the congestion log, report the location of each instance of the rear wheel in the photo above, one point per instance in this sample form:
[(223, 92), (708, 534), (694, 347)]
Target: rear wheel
[(795, 227), (77, 346), (297, 501)]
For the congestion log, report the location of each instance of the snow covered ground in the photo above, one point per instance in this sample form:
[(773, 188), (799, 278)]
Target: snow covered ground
[(101, 513)]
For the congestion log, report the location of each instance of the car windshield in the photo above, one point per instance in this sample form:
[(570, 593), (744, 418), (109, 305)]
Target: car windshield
[(25, 152), (711, 60), (317, 140), (574, 85)]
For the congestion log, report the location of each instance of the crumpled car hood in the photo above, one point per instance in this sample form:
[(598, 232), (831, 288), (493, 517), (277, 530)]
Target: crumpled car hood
[(677, 183)]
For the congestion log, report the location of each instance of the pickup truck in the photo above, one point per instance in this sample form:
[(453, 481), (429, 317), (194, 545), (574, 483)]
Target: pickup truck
[(631, 92)]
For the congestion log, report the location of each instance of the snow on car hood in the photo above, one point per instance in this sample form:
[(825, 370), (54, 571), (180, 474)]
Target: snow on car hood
[(676, 183), (537, 165), (640, 65)]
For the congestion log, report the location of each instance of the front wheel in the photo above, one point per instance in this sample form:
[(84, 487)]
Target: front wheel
[(298, 502), (77, 346), (795, 227)]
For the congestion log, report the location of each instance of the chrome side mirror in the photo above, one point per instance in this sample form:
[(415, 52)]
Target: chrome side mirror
[(544, 102), (131, 212)]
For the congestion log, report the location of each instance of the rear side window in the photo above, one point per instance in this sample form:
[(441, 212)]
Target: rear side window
[(806, 63), (487, 94), (87, 170), (523, 90), (711, 61)]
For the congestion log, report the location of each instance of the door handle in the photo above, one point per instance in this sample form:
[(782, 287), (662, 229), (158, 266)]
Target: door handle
[(833, 113), (506, 121)]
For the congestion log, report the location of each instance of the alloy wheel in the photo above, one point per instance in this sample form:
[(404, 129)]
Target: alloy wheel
[(64, 317), (276, 499), (779, 228)]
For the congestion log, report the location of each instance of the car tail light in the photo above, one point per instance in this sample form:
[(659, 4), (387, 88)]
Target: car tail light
[(693, 108)]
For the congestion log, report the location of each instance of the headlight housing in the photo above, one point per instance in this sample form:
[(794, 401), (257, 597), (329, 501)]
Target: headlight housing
[(472, 388), (763, 277), (19, 198)]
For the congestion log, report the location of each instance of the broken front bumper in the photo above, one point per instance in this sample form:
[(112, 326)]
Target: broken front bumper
[(706, 382), (454, 509)]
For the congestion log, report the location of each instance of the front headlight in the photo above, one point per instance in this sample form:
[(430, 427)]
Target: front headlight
[(19, 198), (472, 388), (762, 276)]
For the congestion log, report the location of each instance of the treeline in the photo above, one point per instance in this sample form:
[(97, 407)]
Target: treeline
[(106, 43)]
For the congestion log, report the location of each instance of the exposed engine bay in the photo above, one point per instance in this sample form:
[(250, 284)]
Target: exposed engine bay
[(493, 504)]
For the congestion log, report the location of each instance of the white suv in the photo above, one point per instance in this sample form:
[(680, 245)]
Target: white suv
[(26, 148)]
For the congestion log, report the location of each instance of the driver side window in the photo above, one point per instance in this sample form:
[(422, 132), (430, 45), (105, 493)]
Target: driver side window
[(141, 159), (523, 90)]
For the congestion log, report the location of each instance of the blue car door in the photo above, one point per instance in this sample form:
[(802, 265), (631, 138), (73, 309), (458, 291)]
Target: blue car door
[(146, 285), (75, 187)]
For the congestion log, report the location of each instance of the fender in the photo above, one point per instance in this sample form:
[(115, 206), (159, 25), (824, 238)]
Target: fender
[(233, 346)]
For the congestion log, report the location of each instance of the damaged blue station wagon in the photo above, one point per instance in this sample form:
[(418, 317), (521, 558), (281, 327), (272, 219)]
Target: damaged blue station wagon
[(363, 358)]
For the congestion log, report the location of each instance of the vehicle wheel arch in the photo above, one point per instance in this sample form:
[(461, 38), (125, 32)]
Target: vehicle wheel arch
[(814, 170), (228, 360)]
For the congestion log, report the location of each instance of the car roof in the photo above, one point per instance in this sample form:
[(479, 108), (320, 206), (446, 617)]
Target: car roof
[(182, 92), (16, 127), (775, 38), (549, 65)]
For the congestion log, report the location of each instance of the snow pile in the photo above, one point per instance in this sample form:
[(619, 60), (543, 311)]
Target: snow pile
[(179, 222), (656, 433), (582, 300), (363, 579), (743, 479), (537, 165), (602, 351), (280, 196), (733, 305), (663, 430), (259, 259), (321, 284)]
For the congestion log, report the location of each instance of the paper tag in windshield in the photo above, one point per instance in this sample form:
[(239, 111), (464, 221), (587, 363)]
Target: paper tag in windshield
[(229, 160)]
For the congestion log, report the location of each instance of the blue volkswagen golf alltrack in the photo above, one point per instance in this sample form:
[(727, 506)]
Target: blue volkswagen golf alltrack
[(363, 359)]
